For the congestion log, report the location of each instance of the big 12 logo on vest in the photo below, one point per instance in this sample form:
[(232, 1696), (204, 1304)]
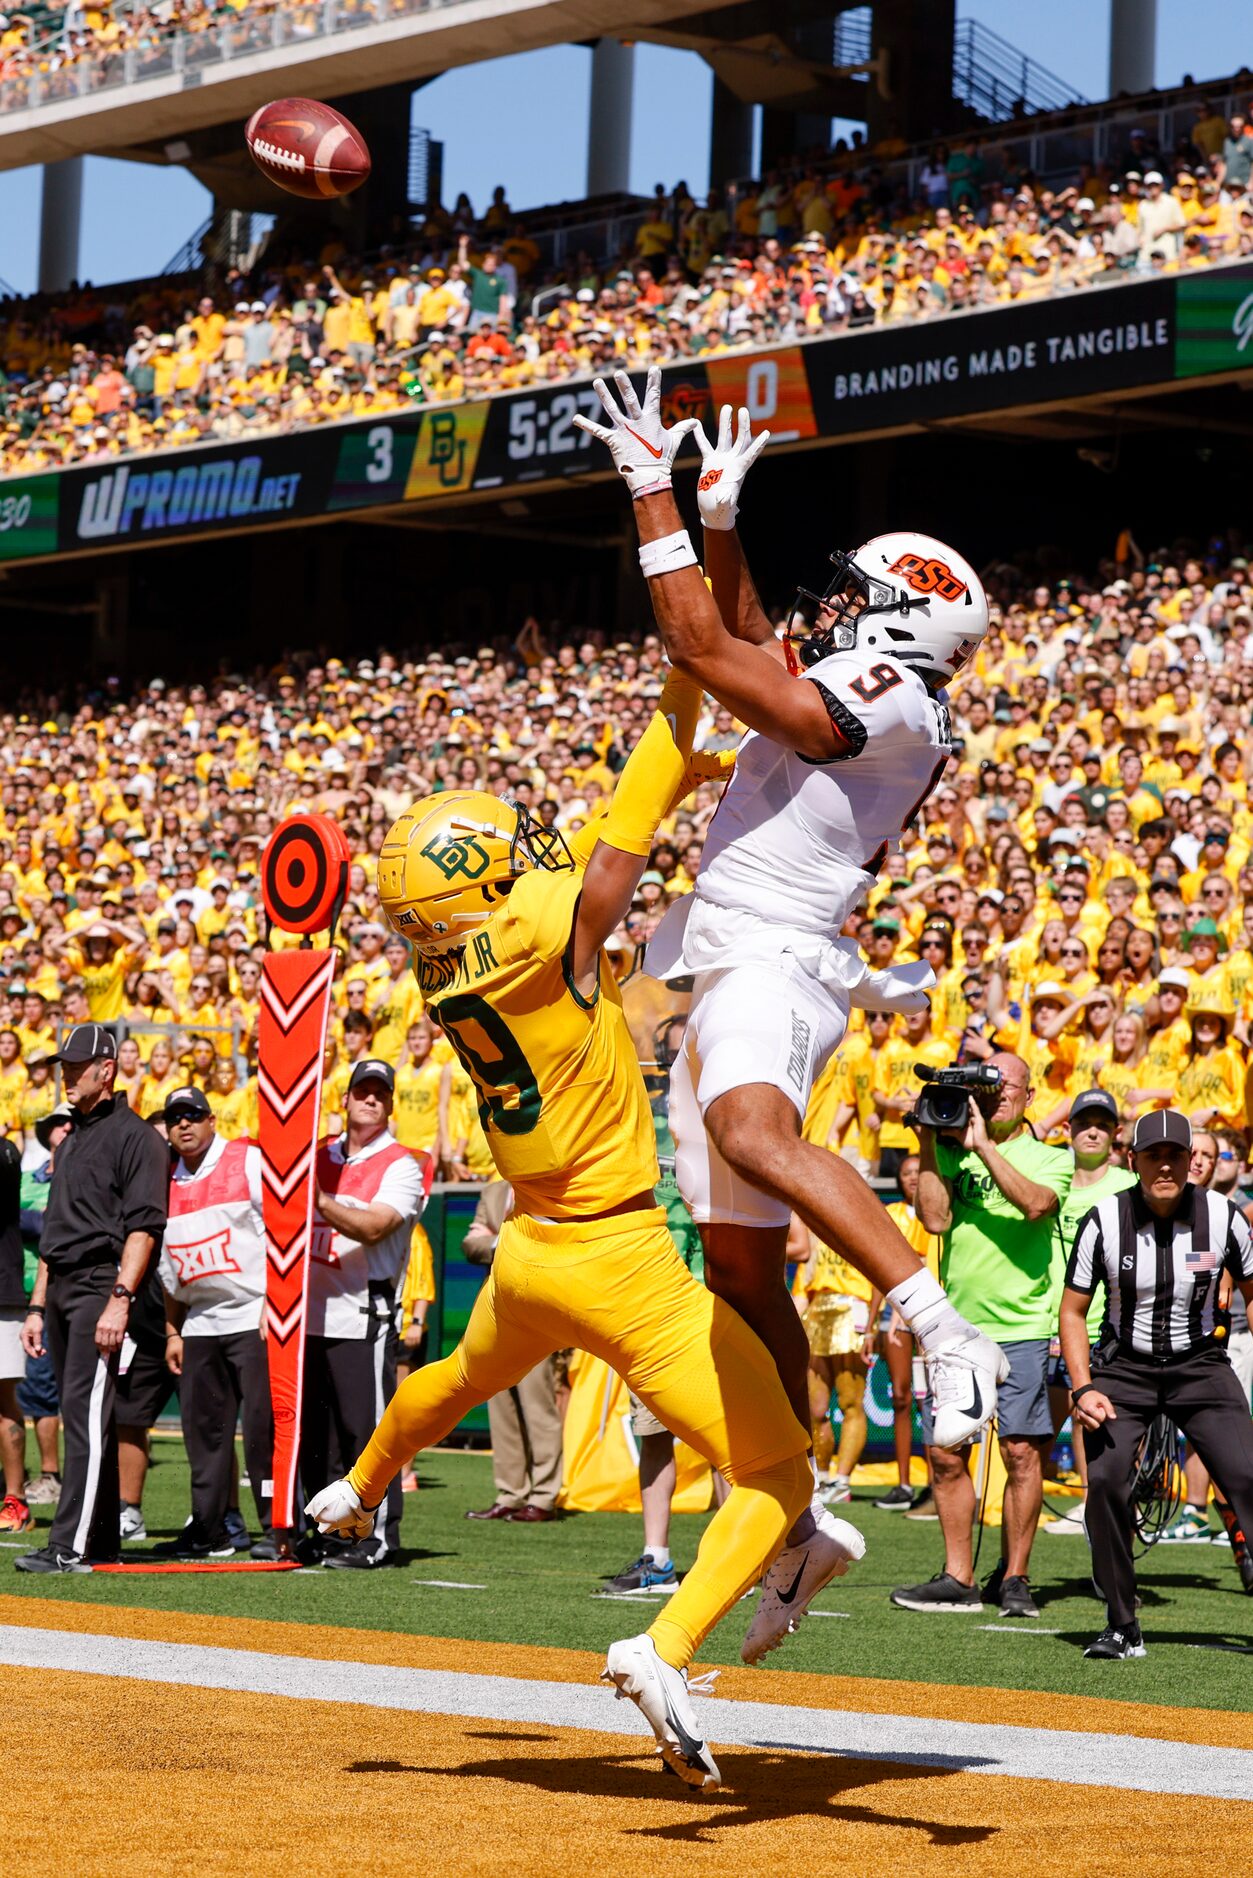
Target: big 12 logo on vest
[(203, 1258)]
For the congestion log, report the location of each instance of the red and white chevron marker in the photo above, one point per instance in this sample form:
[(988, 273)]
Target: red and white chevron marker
[(295, 1010), (304, 875)]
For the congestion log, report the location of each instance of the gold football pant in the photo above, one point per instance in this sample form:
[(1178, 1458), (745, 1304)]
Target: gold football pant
[(618, 1289)]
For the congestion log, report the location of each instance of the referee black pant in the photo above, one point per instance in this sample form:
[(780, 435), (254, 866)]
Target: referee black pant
[(226, 1378), (88, 1511), (1203, 1399), (348, 1383)]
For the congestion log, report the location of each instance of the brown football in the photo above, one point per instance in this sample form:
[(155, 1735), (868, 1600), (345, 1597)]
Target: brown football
[(307, 148)]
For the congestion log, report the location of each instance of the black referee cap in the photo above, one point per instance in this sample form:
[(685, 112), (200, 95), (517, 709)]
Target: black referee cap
[(372, 1069), (188, 1101), (1162, 1127), (85, 1044)]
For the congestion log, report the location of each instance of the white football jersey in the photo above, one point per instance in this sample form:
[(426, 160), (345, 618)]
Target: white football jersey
[(797, 841)]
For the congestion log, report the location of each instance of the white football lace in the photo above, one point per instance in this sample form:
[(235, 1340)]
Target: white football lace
[(285, 159), (944, 1371), (704, 1684)]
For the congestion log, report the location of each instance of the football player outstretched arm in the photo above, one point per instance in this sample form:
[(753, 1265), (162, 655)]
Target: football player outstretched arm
[(723, 467), (746, 678), (656, 777)]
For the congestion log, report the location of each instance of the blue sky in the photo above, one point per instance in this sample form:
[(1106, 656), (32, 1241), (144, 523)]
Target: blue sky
[(135, 217)]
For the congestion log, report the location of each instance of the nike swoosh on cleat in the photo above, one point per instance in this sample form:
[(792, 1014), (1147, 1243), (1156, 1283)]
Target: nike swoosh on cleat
[(785, 1597), (651, 448), (691, 1750)]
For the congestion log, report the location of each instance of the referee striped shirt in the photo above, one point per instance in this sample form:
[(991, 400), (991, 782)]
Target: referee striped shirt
[(1161, 1276)]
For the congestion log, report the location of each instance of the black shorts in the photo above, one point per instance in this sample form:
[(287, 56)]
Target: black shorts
[(146, 1387)]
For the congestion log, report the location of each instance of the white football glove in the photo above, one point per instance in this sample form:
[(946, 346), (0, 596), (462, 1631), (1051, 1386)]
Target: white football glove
[(337, 1509), (724, 466), (643, 450)]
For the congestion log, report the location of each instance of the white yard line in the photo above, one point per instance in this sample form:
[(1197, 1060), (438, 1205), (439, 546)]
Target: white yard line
[(1136, 1763)]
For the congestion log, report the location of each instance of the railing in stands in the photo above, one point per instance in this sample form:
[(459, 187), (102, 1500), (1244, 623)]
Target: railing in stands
[(192, 253), (990, 75), (995, 79), (186, 56)]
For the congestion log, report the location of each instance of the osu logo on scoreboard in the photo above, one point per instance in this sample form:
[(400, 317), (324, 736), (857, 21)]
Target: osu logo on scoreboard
[(928, 576)]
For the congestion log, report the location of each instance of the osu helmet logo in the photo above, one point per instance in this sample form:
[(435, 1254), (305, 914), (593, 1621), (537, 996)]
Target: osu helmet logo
[(466, 856), (928, 576)]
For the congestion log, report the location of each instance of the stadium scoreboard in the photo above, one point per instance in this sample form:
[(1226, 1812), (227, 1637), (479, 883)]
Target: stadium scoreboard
[(1049, 350)]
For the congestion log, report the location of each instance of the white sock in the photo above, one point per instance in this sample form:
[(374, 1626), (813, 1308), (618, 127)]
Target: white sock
[(926, 1309), (658, 1554), (813, 1462)]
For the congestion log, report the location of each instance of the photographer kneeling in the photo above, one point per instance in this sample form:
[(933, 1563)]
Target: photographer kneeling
[(1161, 1247), (992, 1192)]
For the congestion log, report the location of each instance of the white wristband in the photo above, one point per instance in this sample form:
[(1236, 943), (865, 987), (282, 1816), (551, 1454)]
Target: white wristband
[(647, 482), (668, 554)]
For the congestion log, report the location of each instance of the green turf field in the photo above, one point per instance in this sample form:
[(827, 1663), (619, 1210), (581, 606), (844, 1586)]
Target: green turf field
[(539, 1584)]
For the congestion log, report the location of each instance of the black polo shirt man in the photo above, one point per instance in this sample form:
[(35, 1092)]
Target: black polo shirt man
[(1161, 1248), (104, 1221)]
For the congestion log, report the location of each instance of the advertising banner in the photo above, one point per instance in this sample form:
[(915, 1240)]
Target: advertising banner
[(1214, 322), (1047, 350)]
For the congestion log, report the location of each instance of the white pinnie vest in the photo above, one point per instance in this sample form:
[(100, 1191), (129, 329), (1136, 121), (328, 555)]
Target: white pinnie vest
[(213, 1253), (343, 1272)]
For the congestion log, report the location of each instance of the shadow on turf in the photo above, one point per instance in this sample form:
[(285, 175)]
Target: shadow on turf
[(758, 1787)]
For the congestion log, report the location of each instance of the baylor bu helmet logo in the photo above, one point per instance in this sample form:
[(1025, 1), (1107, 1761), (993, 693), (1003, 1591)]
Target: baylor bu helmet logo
[(455, 855), (928, 576)]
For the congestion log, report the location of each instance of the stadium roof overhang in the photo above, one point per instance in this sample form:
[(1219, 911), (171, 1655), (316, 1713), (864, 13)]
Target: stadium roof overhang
[(138, 119)]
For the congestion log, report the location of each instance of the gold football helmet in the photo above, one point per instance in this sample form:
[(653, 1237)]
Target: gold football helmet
[(450, 860)]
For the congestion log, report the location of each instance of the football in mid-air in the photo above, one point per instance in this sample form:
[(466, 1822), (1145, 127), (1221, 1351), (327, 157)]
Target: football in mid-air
[(307, 148)]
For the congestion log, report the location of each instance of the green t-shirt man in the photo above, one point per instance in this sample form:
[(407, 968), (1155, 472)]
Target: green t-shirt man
[(1077, 1203), (998, 1267), (487, 290)]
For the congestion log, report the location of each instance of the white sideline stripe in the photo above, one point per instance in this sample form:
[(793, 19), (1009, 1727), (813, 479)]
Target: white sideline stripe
[(449, 1584), (1134, 1762), (1007, 1630)]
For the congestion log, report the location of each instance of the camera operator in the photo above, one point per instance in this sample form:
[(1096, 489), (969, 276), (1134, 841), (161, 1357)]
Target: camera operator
[(1162, 1248), (992, 1192)]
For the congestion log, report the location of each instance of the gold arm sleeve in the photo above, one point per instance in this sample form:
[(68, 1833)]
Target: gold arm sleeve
[(582, 845), (656, 772)]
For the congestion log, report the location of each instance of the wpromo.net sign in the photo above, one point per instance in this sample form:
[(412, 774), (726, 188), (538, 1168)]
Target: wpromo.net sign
[(1044, 353), (127, 501)]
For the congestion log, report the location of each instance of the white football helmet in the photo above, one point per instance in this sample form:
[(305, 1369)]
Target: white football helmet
[(905, 595)]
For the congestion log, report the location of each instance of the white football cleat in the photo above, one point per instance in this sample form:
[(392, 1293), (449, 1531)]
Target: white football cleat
[(962, 1375), (796, 1577), (338, 1509), (661, 1695)]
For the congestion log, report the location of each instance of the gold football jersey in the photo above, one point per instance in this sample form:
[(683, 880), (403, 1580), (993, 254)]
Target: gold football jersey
[(560, 1094)]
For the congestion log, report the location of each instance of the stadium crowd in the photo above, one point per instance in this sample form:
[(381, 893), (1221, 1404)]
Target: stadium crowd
[(467, 309), (52, 49), (1081, 880)]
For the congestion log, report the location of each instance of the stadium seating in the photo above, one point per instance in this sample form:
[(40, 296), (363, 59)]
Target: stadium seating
[(305, 340)]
